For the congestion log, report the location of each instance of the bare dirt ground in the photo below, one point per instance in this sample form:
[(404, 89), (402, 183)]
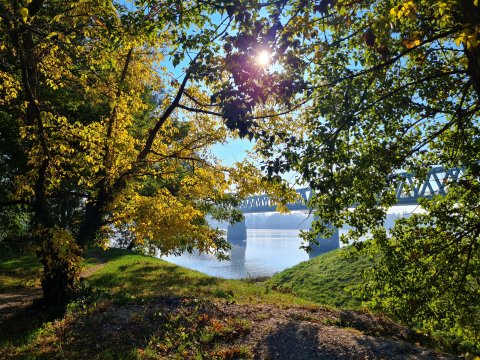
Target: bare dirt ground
[(13, 301)]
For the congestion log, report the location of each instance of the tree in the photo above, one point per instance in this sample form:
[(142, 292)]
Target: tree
[(394, 86), (110, 137)]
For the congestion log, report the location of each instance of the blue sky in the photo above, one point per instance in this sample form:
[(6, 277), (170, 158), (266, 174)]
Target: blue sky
[(233, 151)]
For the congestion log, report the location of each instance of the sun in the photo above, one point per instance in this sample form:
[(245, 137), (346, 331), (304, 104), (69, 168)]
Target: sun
[(264, 57)]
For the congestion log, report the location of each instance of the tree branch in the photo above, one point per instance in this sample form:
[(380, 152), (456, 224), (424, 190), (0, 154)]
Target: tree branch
[(412, 83), (390, 61), (113, 116), (176, 101), (208, 112), (13, 203)]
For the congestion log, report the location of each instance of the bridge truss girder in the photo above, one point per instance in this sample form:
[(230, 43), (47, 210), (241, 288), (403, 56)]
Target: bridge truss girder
[(408, 190)]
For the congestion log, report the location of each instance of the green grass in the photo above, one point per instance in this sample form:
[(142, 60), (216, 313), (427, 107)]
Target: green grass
[(128, 283), (135, 276), (321, 280), (325, 279), (18, 269)]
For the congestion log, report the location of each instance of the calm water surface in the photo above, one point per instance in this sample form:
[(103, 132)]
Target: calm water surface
[(265, 252)]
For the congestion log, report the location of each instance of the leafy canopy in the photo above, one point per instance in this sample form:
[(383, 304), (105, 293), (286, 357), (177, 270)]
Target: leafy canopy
[(109, 138), (392, 86)]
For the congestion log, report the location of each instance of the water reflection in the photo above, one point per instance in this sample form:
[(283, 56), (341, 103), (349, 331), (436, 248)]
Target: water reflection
[(263, 253)]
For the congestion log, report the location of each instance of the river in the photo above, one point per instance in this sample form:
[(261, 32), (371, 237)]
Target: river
[(264, 253)]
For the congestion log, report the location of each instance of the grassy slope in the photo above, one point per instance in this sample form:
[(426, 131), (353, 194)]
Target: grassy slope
[(132, 275), (18, 270), (131, 278), (324, 279)]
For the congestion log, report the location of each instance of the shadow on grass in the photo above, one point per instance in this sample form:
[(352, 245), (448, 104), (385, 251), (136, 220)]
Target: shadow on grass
[(169, 277), (19, 269), (18, 327), (153, 279), (107, 255)]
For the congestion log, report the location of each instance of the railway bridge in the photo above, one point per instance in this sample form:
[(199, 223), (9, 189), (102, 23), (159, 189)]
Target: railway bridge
[(408, 190)]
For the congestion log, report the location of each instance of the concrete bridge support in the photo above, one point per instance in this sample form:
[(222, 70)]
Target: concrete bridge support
[(237, 231), (325, 244)]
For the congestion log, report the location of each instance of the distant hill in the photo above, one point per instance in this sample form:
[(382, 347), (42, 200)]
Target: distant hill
[(324, 279)]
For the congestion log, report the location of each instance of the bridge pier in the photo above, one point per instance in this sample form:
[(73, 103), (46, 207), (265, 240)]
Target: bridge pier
[(237, 231), (325, 244)]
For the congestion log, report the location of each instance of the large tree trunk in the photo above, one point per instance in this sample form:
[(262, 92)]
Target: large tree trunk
[(95, 212), (57, 286), (60, 257), (57, 280)]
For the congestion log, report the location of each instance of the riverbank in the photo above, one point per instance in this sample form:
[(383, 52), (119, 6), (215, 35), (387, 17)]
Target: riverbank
[(138, 307), (328, 279)]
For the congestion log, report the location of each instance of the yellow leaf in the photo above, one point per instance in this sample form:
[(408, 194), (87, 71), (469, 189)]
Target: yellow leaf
[(23, 13), (52, 34), (409, 43)]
